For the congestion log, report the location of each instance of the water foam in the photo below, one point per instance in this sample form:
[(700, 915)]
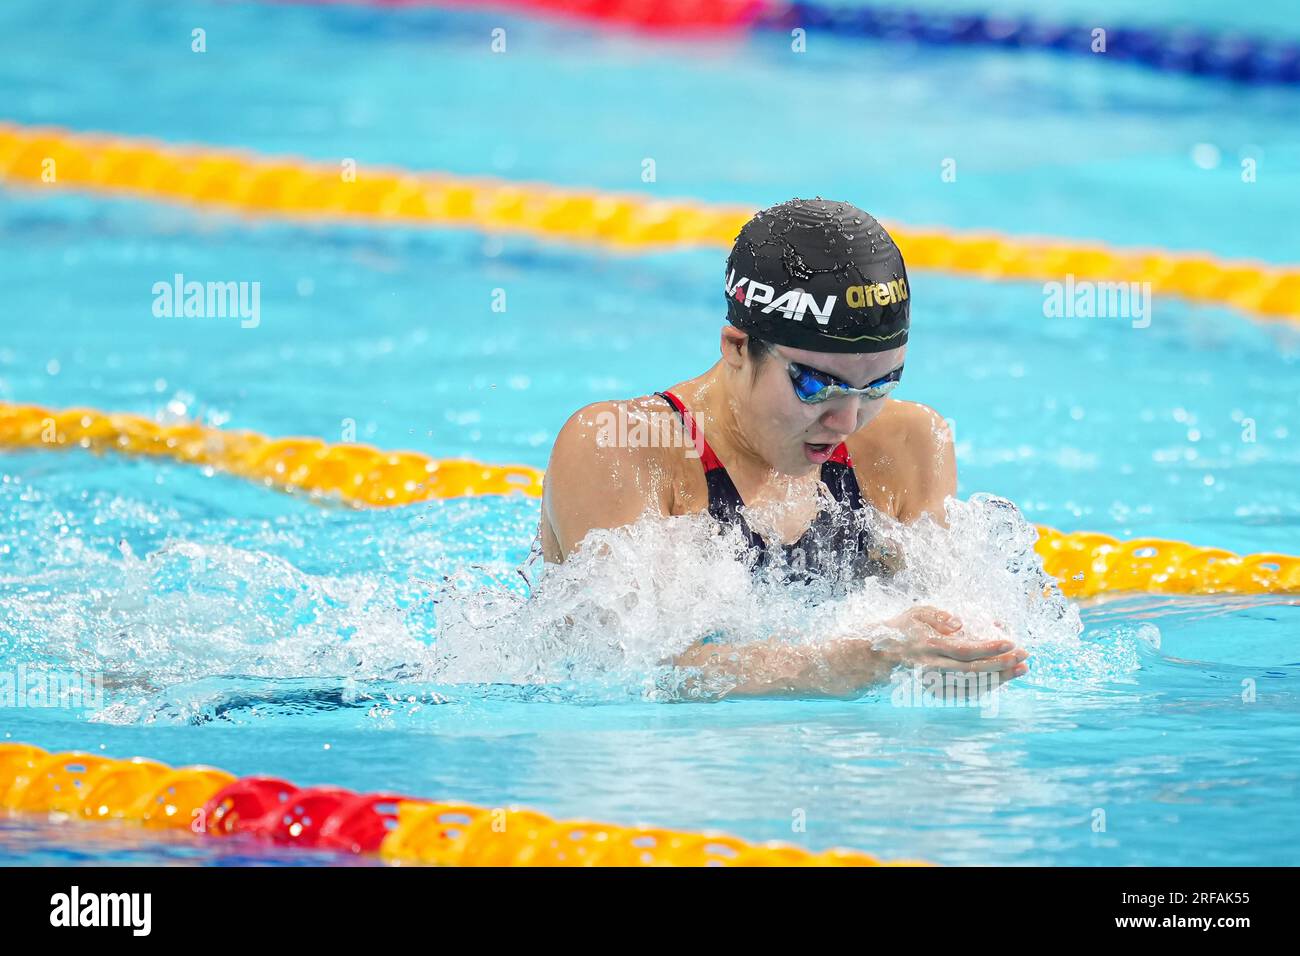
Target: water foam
[(631, 598), (172, 628)]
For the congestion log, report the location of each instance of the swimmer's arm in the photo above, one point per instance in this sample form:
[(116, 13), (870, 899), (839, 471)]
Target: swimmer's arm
[(591, 483), (846, 667), (905, 463), (842, 669), (931, 473)]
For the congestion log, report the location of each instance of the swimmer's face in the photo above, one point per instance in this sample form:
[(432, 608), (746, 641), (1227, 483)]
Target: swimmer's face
[(795, 436)]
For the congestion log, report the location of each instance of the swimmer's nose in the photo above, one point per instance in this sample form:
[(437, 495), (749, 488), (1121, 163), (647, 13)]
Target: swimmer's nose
[(841, 417)]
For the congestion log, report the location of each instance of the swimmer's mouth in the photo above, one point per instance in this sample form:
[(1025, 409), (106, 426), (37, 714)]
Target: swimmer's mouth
[(817, 453)]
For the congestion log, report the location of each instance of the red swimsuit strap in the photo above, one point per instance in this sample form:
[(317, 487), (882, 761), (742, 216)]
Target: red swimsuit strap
[(707, 457), (710, 460)]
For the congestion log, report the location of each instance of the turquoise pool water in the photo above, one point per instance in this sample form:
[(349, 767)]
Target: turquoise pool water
[(268, 634)]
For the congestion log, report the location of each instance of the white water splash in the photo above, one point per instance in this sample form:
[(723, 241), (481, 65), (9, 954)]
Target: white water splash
[(605, 624), (630, 599)]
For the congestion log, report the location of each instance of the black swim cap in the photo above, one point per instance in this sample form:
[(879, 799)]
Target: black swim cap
[(818, 275)]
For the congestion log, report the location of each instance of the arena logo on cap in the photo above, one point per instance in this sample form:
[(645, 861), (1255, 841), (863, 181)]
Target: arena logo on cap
[(794, 304), (879, 293)]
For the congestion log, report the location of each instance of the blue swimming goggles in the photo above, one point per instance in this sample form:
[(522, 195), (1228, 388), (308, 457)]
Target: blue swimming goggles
[(812, 386)]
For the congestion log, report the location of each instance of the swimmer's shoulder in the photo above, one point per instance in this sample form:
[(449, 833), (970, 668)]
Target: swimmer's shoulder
[(618, 437), (904, 460), (604, 472)]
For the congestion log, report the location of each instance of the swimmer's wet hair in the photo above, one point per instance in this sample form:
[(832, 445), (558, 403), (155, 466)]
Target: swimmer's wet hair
[(758, 349)]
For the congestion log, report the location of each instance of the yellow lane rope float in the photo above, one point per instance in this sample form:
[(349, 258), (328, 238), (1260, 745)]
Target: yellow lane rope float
[(237, 181), (213, 803), (355, 474), (1085, 563)]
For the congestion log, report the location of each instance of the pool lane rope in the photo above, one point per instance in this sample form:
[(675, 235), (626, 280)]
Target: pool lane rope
[(401, 829), (1084, 563), (357, 475), (1229, 55), (236, 181)]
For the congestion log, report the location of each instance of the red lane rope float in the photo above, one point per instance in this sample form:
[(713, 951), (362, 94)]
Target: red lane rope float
[(677, 16), (401, 829), (234, 808), (360, 825), (238, 181), (300, 819)]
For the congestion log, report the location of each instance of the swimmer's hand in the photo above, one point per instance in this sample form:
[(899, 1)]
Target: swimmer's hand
[(936, 642), (847, 667)]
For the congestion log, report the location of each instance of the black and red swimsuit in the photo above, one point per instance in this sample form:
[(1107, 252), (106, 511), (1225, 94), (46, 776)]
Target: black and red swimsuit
[(831, 540)]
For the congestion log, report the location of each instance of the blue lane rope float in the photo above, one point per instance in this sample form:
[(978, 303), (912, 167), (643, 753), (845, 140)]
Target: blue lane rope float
[(1230, 56), (1196, 52)]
